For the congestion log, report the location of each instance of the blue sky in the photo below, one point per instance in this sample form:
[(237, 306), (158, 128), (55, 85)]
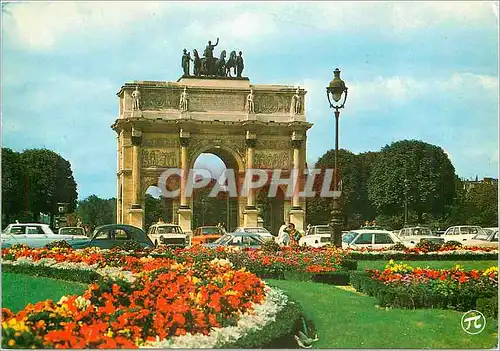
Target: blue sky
[(415, 70)]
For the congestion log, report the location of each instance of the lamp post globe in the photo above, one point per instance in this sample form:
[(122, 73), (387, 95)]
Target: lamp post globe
[(336, 93)]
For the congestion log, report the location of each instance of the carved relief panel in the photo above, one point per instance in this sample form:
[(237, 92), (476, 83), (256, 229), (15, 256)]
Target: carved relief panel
[(217, 102), (272, 103), (159, 99), (159, 158), (273, 159)]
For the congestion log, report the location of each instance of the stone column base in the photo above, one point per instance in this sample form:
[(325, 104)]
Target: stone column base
[(136, 217), (184, 215), (250, 217), (297, 218)]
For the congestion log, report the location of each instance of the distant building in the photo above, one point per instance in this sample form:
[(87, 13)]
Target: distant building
[(471, 183)]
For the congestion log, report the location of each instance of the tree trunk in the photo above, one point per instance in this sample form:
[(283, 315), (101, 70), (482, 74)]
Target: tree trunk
[(51, 220)]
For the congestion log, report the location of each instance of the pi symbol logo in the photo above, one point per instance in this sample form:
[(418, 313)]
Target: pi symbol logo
[(473, 322)]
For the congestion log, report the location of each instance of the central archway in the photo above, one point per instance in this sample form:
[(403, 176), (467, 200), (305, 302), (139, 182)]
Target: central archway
[(222, 209)]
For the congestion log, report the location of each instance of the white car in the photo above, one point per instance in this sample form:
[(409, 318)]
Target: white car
[(488, 237), (315, 240), (413, 235), (263, 232), (168, 234), (33, 235), (369, 238), (462, 233)]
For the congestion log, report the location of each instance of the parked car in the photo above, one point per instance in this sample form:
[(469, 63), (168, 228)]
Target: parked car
[(318, 229), (168, 234), (112, 235), (315, 240), (369, 238), (72, 231), (488, 237), (462, 233), (239, 240), (33, 235), (413, 235), (208, 234), (263, 232)]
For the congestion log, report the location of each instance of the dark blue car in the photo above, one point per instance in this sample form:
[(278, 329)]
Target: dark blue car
[(113, 235)]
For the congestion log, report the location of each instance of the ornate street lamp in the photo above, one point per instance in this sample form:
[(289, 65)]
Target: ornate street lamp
[(336, 92)]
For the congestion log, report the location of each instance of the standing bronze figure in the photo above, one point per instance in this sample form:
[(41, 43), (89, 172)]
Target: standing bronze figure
[(239, 64), (186, 57)]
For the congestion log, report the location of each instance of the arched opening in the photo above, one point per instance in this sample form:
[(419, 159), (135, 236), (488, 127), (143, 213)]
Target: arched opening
[(156, 207), (222, 208), (271, 208)]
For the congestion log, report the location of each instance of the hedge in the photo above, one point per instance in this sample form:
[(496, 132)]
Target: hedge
[(488, 306), (401, 256), (75, 275), (419, 295)]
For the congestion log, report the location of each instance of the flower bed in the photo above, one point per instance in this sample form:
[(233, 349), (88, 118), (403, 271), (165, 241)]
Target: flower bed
[(140, 302), (262, 263), (400, 285)]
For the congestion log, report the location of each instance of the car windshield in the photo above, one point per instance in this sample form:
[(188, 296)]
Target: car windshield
[(349, 237), (169, 230), (482, 235), (71, 231), (210, 230)]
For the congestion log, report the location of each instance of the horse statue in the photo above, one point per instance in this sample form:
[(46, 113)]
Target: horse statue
[(220, 65), (231, 63)]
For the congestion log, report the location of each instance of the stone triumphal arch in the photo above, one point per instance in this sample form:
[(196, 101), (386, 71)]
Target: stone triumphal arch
[(164, 125)]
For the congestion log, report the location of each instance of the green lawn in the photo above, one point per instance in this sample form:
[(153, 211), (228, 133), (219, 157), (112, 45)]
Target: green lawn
[(345, 319), (362, 265), (18, 290)]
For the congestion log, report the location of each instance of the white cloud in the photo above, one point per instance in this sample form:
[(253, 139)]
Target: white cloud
[(237, 30), (41, 25), (399, 90)]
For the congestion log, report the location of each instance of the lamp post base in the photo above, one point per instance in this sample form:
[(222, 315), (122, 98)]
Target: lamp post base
[(336, 224)]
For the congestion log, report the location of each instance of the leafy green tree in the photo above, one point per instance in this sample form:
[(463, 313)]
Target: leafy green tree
[(318, 208), (155, 208), (48, 180), (211, 210), (94, 211), (366, 160), (12, 184), (481, 205), (414, 172)]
